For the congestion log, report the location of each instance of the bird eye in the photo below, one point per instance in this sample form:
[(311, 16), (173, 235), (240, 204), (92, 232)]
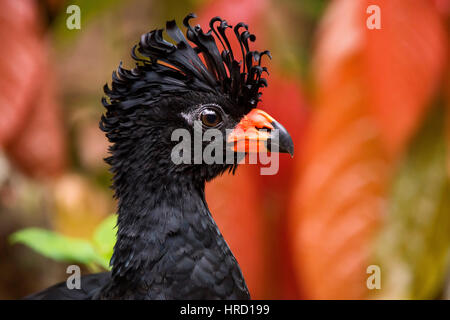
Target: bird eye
[(210, 118)]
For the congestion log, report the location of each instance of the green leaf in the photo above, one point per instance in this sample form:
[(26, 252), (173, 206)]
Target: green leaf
[(53, 245), (414, 245), (56, 246), (105, 237)]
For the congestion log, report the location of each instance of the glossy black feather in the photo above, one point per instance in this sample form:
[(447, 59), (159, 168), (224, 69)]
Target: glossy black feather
[(90, 286)]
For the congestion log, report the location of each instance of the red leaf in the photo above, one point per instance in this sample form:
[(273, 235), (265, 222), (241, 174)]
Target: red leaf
[(337, 201), (19, 64), (405, 61), (39, 149), (31, 129), (373, 87)]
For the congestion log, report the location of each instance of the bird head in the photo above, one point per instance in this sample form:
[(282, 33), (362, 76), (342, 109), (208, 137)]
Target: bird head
[(193, 84)]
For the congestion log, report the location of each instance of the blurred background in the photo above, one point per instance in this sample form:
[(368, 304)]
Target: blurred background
[(368, 111)]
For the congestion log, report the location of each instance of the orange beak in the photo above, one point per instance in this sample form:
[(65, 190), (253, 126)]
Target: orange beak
[(259, 132)]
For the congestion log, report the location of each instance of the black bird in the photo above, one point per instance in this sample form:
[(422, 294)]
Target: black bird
[(168, 245)]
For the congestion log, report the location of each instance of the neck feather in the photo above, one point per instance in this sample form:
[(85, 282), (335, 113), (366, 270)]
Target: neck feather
[(168, 246)]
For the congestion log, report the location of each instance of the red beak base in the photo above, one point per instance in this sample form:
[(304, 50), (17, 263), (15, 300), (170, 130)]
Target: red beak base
[(256, 132)]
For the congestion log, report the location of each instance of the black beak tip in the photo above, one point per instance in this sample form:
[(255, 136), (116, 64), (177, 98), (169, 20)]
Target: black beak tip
[(290, 149), (285, 143)]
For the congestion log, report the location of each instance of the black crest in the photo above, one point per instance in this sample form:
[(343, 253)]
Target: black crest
[(178, 67)]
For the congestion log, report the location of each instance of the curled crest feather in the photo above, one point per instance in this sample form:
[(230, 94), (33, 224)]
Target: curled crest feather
[(163, 68)]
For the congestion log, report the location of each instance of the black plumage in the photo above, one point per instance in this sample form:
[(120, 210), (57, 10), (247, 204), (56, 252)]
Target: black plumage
[(168, 246)]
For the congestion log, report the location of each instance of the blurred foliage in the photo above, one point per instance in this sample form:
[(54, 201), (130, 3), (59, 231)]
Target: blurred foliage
[(373, 89), (414, 246), (105, 237), (94, 253), (357, 171), (291, 34), (89, 10)]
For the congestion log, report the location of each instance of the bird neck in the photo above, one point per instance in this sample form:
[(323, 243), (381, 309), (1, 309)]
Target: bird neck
[(154, 222)]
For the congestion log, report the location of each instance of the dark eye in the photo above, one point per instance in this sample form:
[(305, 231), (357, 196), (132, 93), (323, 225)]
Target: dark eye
[(210, 117)]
